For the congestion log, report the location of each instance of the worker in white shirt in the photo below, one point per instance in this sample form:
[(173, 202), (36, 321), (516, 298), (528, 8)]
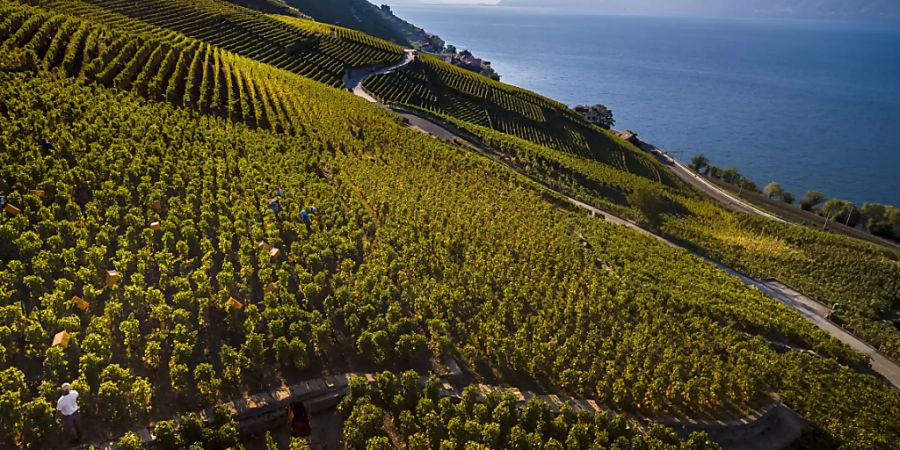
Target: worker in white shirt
[(67, 410)]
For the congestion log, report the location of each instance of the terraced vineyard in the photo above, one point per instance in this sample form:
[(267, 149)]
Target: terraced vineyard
[(163, 66), (480, 421), (144, 234), (317, 51), (863, 278), (444, 89)]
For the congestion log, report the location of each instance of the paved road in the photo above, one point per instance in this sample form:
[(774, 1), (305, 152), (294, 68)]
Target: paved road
[(703, 185), (427, 126), (813, 311), (816, 313), (353, 79)]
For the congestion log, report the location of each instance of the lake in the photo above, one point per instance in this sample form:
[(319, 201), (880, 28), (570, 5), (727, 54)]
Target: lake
[(810, 104)]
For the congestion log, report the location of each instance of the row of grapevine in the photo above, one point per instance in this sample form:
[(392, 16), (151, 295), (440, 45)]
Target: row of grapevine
[(865, 279), (422, 420), (477, 100), (177, 69), (421, 249), (300, 46)]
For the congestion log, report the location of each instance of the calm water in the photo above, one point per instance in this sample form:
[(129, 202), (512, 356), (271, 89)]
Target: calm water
[(811, 104)]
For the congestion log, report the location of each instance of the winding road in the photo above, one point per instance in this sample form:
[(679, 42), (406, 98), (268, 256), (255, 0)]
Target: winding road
[(354, 78), (810, 309)]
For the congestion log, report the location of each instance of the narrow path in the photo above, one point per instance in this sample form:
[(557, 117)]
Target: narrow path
[(810, 309)]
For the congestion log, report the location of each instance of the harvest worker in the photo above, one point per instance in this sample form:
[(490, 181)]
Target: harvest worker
[(304, 217), (67, 410), (315, 213), (275, 206)]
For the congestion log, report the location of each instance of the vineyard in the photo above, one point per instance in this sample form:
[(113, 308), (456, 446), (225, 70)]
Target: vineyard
[(863, 278), (159, 185), (446, 90), (317, 51), (421, 419), (179, 70)]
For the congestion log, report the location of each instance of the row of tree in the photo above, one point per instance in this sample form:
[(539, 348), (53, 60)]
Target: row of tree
[(880, 220)]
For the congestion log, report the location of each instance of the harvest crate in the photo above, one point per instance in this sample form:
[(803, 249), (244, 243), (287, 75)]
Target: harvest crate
[(80, 303), (112, 278), (234, 304), (61, 339)]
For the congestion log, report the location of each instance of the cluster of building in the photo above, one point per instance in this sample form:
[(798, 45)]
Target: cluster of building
[(468, 61)]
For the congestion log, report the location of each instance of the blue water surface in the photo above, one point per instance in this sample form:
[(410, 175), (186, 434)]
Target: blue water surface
[(810, 104)]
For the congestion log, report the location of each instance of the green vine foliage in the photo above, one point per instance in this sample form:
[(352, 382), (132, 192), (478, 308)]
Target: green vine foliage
[(419, 250), (397, 416)]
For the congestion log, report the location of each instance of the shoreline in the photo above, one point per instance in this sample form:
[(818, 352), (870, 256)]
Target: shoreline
[(647, 98)]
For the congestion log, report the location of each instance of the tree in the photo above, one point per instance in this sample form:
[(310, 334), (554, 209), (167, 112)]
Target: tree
[(850, 214), (648, 203), (700, 163), (788, 197), (830, 210), (732, 176), (894, 220), (843, 211), (881, 220), (810, 200), (714, 171), (773, 190), (746, 185)]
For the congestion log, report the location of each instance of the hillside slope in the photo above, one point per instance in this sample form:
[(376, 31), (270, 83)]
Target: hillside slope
[(312, 49), (357, 14), (419, 249), (550, 142)]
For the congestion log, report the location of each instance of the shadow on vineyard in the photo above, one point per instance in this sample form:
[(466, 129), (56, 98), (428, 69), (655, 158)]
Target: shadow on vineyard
[(192, 213)]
